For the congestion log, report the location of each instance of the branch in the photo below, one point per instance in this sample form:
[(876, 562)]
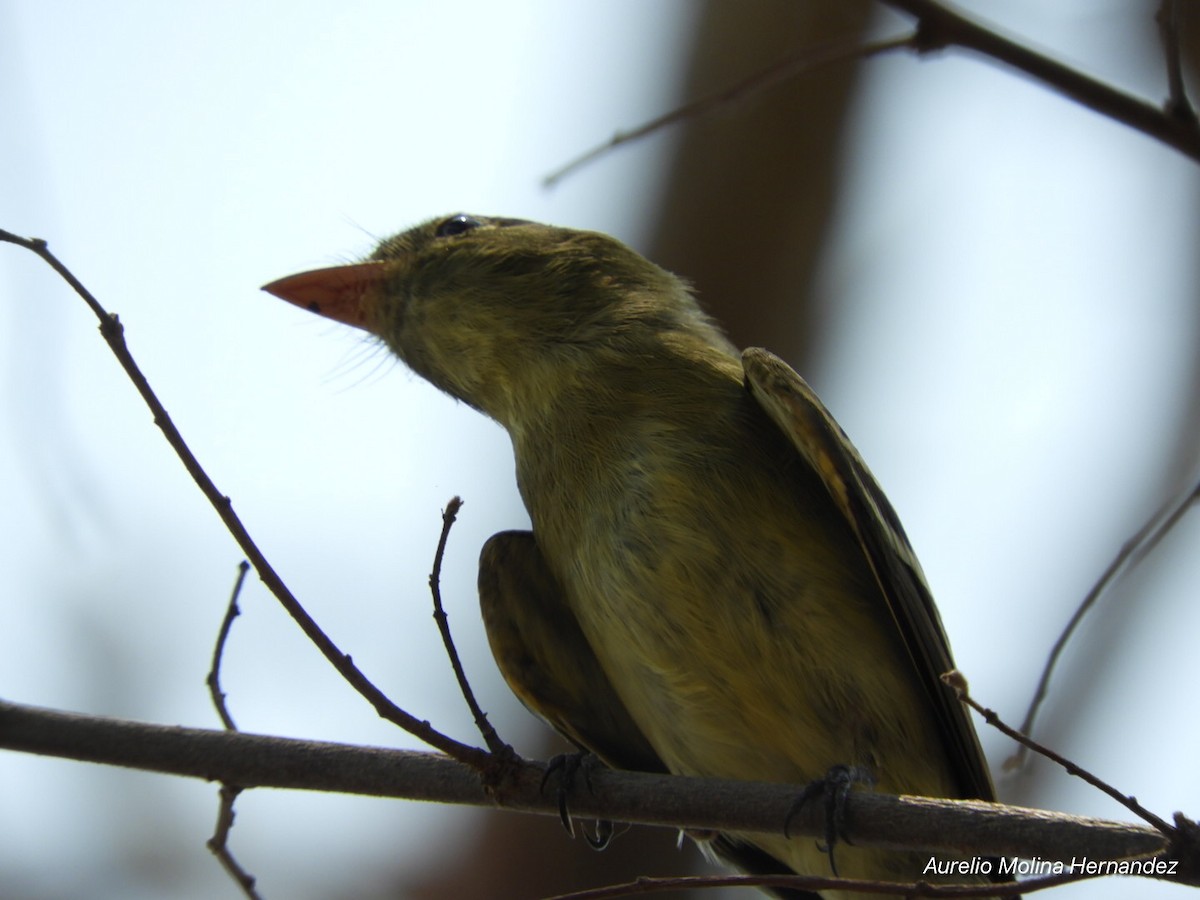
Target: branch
[(941, 26), (804, 62), (959, 827), (114, 334), (1138, 547), (956, 681)]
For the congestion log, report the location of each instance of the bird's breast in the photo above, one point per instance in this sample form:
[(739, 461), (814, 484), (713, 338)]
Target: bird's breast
[(716, 585)]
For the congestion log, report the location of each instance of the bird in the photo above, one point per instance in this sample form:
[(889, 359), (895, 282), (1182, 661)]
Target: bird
[(714, 583)]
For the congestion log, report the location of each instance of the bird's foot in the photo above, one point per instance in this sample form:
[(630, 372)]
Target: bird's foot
[(568, 766), (834, 789)]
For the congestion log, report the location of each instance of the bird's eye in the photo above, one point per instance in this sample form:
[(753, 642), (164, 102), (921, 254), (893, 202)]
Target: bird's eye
[(456, 225)]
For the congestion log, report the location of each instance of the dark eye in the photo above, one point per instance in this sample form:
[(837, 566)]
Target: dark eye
[(456, 225)]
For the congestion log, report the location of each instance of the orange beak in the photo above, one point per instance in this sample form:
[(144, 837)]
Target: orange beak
[(336, 293)]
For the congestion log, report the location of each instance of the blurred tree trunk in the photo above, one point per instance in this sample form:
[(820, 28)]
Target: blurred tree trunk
[(752, 189)]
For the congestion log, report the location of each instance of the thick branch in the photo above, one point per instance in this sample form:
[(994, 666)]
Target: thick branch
[(876, 820)]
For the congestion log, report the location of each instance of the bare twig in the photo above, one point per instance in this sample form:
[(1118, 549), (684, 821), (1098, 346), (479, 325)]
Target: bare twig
[(219, 843), (940, 26), (956, 680), (113, 333), (490, 737), (214, 673), (1178, 104), (1132, 552), (807, 60)]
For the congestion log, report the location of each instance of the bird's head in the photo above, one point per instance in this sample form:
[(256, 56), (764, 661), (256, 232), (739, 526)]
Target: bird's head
[(503, 313)]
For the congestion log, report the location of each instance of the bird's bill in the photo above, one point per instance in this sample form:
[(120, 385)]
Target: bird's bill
[(336, 292)]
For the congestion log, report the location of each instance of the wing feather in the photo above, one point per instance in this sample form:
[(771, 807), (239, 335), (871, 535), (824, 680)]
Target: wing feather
[(795, 408)]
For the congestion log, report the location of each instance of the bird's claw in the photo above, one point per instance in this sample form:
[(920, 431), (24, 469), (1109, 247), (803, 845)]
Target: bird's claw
[(834, 787), (568, 766)]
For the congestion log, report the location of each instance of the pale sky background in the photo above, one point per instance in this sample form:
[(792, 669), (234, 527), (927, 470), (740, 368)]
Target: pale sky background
[(1012, 298)]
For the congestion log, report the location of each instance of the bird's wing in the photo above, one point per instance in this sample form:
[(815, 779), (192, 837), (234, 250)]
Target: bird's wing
[(545, 658), (795, 408)]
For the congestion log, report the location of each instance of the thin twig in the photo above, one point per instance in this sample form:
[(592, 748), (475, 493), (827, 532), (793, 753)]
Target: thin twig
[(941, 26), (219, 843), (807, 60), (113, 333), (956, 680), (214, 673), (490, 737), (1178, 104), (1132, 552)]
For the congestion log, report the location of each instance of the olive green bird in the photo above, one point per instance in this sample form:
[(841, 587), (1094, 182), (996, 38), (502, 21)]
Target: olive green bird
[(714, 584)]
